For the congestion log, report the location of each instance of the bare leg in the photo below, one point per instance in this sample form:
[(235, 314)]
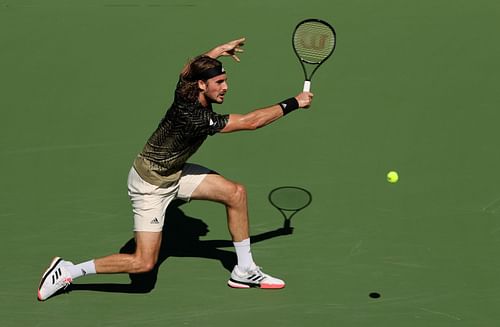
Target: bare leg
[(233, 195), (143, 260)]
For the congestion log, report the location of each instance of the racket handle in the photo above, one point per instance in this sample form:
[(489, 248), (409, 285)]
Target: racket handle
[(307, 86), (286, 224)]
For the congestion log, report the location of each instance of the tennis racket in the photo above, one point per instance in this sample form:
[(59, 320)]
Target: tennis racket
[(313, 41), (289, 200)]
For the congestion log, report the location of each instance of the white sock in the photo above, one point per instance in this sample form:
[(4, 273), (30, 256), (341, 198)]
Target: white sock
[(244, 254), (82, 269)]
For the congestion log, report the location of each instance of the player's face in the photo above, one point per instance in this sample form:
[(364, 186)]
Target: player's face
[(215, 89)]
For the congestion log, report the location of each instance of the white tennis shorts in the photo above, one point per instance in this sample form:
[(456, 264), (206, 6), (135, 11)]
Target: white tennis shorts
[(149, 202)]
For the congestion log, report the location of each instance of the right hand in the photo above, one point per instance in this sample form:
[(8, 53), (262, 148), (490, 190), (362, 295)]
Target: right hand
[(304, 99)]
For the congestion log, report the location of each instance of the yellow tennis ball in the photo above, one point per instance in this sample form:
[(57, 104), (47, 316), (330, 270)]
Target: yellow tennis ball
[(392, 177)]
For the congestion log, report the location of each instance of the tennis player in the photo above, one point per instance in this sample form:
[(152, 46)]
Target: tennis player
[(160, 173)]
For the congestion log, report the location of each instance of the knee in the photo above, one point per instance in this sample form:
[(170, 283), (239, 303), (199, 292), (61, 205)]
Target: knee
[(144, 265), (237, 195)]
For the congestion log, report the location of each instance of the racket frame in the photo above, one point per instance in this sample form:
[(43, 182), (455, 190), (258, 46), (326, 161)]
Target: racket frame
[(308, 78)]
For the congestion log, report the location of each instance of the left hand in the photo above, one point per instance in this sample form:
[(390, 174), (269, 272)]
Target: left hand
[(229, 49)]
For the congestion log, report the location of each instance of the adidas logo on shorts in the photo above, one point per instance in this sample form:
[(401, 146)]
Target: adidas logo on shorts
[(154, 221)]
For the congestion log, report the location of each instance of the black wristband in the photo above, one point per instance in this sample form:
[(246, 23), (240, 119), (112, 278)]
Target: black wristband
[(289, 105)]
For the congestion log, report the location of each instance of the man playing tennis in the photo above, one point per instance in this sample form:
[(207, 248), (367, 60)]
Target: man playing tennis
[(160, 173)]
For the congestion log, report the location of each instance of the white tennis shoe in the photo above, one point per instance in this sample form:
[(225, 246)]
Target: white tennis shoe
[(253, 277), (55, 278)]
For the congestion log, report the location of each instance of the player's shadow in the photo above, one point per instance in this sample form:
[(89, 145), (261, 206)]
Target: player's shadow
[(181, 238)]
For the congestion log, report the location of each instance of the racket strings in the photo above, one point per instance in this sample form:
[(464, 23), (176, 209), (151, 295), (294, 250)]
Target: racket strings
[(314, 41)]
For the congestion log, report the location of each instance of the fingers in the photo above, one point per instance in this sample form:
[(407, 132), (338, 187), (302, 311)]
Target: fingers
[(305, 99), (232, 47), (234, 56), (240, 41)]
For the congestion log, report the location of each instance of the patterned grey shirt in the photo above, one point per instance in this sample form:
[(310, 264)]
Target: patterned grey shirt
[(181, 132)]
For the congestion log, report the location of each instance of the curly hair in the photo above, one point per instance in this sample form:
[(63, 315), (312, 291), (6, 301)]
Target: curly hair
[(188, 87)]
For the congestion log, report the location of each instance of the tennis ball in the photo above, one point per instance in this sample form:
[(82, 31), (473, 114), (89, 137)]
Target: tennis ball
[(392, 177)]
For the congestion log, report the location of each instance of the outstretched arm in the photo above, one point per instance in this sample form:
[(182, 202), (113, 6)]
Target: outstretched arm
[(262, 117), (230, 48)]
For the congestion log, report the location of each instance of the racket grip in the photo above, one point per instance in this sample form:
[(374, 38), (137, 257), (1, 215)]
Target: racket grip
[(286, 224), (307, 86)]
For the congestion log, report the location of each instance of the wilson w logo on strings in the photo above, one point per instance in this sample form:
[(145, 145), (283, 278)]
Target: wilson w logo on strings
[(314, 41)]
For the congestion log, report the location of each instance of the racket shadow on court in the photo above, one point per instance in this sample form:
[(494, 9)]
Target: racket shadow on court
[(289, 200), (181, 238)]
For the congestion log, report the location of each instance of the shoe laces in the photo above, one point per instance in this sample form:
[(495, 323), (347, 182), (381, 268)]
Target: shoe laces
[(255, 270), (66, 282)]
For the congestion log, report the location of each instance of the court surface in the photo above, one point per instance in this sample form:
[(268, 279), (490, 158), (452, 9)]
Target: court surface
[(412, 87)]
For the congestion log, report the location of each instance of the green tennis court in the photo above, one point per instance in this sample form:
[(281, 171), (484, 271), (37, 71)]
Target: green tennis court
[(411, 88)]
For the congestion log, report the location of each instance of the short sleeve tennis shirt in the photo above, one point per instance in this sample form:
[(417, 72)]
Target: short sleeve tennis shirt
[(181, 132)]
